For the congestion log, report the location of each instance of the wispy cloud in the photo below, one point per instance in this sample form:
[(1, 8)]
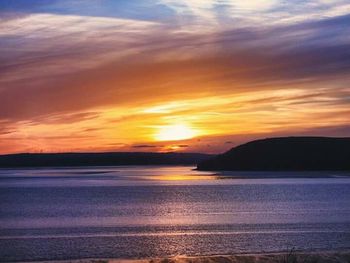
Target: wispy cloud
[(223, 66)]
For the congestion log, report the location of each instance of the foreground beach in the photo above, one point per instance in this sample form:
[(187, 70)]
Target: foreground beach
[(290, 257)]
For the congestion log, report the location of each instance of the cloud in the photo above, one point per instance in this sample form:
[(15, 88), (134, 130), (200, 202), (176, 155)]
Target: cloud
[(214, 14), (33, 41), (223, 66), (145, 146), (182, 145)]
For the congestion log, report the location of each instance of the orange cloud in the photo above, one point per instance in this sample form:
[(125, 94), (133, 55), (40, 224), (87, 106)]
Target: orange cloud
[(72, 83)]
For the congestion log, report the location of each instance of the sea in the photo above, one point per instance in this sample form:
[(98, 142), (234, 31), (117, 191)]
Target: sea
[(132, 212)]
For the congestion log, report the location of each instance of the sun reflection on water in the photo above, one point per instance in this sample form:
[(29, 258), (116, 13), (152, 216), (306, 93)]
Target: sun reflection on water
[(181, 177)]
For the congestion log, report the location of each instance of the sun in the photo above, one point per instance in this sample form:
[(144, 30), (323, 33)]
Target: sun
[(175, 132)]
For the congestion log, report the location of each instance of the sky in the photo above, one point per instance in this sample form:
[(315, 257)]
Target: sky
[(166, 75)]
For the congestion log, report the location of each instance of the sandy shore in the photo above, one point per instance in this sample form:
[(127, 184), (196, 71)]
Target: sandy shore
[(316, 257)]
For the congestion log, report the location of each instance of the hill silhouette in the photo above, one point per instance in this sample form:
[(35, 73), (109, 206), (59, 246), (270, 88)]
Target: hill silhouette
[(99, 159), (284, 154)]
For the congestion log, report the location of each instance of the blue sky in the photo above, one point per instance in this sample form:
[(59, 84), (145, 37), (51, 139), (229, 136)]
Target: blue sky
[(143, 10)]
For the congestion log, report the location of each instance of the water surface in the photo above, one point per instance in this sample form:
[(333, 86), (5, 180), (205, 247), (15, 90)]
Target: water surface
[(155, 211)]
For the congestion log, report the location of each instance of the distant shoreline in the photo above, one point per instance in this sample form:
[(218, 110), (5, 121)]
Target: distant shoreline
[(36, 160), (277, 174), (284, 154)]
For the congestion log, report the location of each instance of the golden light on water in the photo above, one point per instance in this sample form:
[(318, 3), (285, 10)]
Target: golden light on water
[(175, 132), (180, 177)]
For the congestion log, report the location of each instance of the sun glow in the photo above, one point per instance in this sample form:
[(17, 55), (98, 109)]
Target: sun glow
[(175, 132)]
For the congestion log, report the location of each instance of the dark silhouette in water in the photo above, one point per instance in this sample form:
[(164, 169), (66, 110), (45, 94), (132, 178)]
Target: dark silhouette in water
[(99, 159), (284, 154)]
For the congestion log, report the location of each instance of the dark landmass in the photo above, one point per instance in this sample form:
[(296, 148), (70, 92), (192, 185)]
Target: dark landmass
[(99, 159), (284, 154)]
